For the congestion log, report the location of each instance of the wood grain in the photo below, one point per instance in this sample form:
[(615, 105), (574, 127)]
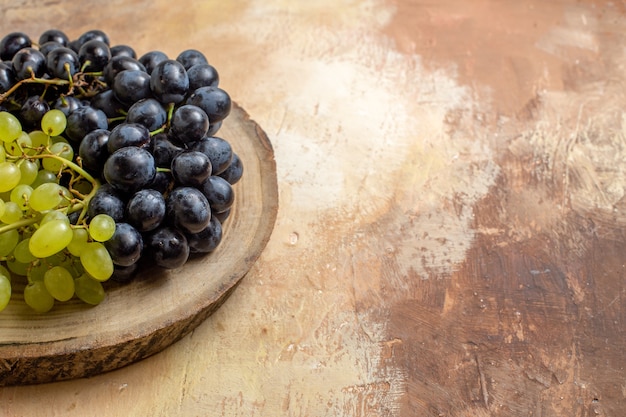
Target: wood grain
[(159, 307)]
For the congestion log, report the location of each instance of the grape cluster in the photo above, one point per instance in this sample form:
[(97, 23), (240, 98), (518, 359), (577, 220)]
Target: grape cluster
[(107, 161)]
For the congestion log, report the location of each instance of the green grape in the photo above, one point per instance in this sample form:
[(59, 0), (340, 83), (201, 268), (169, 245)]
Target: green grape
[(97, 262), (37, 297), (18, 268), (43, 177), (89, 290), (37, 271), (79, 241), (39, 138), (21, 145), (58, 139), (3, 154), (5, 272), (8, 241), (12, 213), (20, 195), (10, 174), (50, 238), (5, 291), (10, 127), (54, 215), (46, 196), (2, 208), (28, 171), (101, 227), (22, 252), (53, 122), (59, 283), (64, 150)]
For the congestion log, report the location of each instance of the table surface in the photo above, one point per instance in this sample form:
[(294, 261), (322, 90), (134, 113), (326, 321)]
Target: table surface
[(450, 238)]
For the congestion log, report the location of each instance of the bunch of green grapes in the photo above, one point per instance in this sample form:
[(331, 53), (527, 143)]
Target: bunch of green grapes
[(45, 237)]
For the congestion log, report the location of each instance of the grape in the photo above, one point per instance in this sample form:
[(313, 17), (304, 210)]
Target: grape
[(8, 241), (53, 35), (46, 196), (10, 127), (130, 86), (2, 208), (50, 238), (97, 261), (28, 172), (62, 150), (54, 215), (215, 102), (118, 64), (207, 239), (128, 134), (37, 297), (164, 150), (101, 227), (22, 253), (59, 283), (130, 169), (202, 75), (28, 62), (218, 150), (191, 57), (150, 60), (169, 81), (12, 213), (93, 149), (7, 77), (146, 209), (13, 42), (53, 122), (234, 172), (89, 290), (84, 120), (19, 146), (108, 201), (62, 63), (10, 174), (46, 48), (125, 50), (189, 124), (32, 111), (148, 112), (94, 34), (5, 291), (188, 209), (125, 246), (110, 105), (79, 241), (67, 104), (168, 247), (20, 195), (94, 55), (191, 168)]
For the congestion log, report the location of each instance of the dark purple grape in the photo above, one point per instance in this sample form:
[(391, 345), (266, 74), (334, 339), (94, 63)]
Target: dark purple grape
[(93, 150), (32, 111), (94, 55), (164, 150), (130, 86), (145, 210), (215, 102), (49, 46), (67, 104), (107, 102), (58, 58), (234, 172), (118, 64), (219, 193), (106, 201), (28, 62), (129, 169), (13, 42), (124, 274), (128, 134), (151, 59), (213, 128), (191, 168), (94, 34), (163, 182), (149, 112), (188, 209), (202, 75), (7, 77), (221, 216), (168, 247), (169, 82), (125, 50), (191, 57), (125, 246), (218, 150), (84, 120), (208, 239), (189, 124), (53, 35)]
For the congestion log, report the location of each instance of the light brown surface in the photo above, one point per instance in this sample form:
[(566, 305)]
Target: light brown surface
[(451, 226)]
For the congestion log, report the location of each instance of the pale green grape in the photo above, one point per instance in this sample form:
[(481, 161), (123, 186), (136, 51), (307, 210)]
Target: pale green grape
[(5, 291), (79, 241), (20, 195), (59, 283), (57, 139), (43, 177), (37, 297), (97, 262), (50, 238), (12, 213), (101, 227), (53, 122), (46, 196), (37, 271), (89, 290), (21, 145), (39, 138), (3, 153), (28, 171), (18, 268), (2, 208), (22, 252), (10, 175), (64, 150), (8, 241), (54, 215), (5, 272), (10, 127)]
